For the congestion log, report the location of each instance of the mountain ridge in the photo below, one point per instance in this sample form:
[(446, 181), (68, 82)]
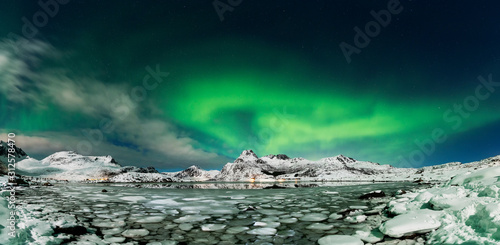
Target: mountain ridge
[(248, 166)]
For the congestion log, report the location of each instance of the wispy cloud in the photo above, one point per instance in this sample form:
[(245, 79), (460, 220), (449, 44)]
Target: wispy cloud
[(29, 82)]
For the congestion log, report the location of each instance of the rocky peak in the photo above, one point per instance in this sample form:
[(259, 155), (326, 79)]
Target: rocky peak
[(279, 156), (247, 155), (192, 171), (192, 168), (129, 169), (340, 159), (282, 157), (343, 159), (4, 150), (73, 159)]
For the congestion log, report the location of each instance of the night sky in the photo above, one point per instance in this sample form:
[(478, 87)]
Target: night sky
[(174, 83)]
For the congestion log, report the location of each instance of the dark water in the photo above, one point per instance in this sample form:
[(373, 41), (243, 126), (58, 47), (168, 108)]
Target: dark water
[(213, 213)]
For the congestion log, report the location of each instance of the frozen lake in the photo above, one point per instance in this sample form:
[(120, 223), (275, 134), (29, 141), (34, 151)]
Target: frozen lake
[(210, 213)]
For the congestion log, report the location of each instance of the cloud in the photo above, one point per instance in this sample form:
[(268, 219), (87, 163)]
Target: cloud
[(16, 62), (35, 144), (29, 82)]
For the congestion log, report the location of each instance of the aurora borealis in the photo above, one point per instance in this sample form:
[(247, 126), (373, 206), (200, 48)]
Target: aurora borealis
[(168, 84)]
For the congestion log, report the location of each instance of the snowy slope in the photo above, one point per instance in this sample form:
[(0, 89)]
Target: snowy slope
[(445, 172), (192, 174), (138, 177), (69, 165), (195, 173), (465, 210), (248, 166)]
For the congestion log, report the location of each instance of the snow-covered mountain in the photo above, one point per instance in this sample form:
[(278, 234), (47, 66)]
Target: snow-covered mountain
[(68, 165), (248, 166), (445, 172), (139, 177), (194, 173), (18, 154), (71, 166)]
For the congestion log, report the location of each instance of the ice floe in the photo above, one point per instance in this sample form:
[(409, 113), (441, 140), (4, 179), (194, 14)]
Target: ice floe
[(135, 233), (340, 240), (315, 217), (262, 231)]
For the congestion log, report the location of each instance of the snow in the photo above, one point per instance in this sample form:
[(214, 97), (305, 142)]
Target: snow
[(248, 167), (73, 167), (477, 177), (369, 236), (4, 222), (68, 165), (247, 155), (192, 174), (466, 209), (356, 219), (140, 177), (414, 222)]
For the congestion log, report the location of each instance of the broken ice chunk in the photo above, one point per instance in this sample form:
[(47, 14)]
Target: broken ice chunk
[(263, 232), (316, 217), (340, 240), (212, 227), (319, 226), (420, 221), (131, 233)]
